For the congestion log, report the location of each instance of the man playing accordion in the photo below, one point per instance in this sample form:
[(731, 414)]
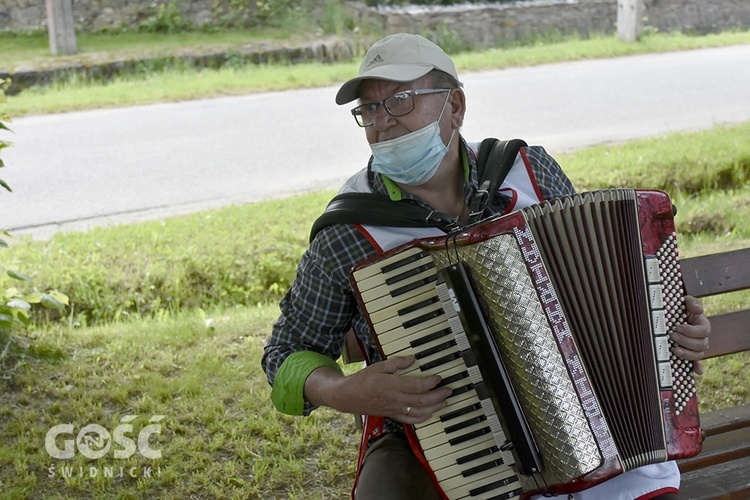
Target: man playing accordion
[(411, 107)]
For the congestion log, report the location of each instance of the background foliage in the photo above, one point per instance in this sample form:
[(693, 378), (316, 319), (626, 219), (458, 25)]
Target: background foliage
[(15, 305), (241, 255)]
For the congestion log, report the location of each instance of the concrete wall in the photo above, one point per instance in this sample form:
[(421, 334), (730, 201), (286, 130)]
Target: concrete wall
[(476, 23)]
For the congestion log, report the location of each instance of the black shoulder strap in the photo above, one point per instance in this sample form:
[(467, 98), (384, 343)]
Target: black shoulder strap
[(494, 161), (377, 210)]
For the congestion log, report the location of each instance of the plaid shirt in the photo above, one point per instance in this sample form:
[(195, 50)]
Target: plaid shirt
[(320, 307)]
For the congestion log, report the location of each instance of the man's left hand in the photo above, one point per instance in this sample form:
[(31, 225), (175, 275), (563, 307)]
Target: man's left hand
[(691, 337)]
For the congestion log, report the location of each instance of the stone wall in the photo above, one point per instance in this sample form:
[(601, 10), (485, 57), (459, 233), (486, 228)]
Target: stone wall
[(486, 24), (475, 23), (96, 15)]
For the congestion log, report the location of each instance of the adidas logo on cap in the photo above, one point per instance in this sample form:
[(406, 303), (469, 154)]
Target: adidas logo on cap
[(375, 60)]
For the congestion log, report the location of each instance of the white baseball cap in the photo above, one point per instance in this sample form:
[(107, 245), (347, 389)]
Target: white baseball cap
[(402, 57)]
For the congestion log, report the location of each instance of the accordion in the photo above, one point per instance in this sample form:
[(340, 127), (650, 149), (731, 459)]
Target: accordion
[(551, 325)]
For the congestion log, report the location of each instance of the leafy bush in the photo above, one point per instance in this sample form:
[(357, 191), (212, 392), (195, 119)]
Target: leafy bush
[(15, 306), (166, 19), (234, 256)]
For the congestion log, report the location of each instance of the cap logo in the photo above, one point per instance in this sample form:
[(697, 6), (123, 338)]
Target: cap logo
[(375, 60)]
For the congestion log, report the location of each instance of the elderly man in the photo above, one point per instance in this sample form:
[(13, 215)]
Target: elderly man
[(411, 107)]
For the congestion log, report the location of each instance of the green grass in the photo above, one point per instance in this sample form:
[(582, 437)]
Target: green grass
[(168, 318), (32, 49), (180, 82), (220, 437), (224, 257), (127, 350)]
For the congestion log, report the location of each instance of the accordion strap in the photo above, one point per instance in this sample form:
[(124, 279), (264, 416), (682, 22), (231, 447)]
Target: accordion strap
[(494, 161)]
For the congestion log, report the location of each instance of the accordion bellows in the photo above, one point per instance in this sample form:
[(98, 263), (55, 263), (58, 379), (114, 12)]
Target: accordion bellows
[(579, 295)]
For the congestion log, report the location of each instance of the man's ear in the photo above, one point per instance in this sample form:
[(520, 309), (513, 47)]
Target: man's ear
[(457, 107)]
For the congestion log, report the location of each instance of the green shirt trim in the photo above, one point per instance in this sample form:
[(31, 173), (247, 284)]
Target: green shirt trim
[(288, 393)]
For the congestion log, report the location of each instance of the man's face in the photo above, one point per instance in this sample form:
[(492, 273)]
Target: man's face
[(427, 109)]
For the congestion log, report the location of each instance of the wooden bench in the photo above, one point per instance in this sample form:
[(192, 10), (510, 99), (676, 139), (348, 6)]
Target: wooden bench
[(722, 469)]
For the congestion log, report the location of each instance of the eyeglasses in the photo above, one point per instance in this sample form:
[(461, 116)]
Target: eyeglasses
[(399, 104)]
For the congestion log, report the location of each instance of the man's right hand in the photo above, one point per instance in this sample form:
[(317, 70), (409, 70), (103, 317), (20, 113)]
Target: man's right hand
[(376, 390)]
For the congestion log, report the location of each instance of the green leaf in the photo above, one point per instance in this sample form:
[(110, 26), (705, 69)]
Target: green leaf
[(18, 304), (33, 298), (6, 186), (22, 316), (10, 293), (16, 275), (6, 320), (60, 297), (50, 302)]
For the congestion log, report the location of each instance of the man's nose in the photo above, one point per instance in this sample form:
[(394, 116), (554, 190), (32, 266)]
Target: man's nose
[(383, 119)]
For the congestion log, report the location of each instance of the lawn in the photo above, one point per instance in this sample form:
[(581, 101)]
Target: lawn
[(149, 385)]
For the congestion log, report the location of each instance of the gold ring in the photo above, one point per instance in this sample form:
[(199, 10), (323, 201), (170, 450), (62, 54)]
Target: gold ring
[(408, 410)]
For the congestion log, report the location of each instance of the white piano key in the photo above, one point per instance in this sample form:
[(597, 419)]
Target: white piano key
[(376, 270)]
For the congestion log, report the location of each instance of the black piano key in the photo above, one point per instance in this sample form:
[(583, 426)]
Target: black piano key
[(476, 455), (435, 349), (419, 305), (508, 495), (494, 485), (440, 361), (408, 274), (403, 262), (460, 411), (462, 389), (423, 318), (466, 423), (397, 292), (453, 378), (481, 468), (469, 436), (429, 338)]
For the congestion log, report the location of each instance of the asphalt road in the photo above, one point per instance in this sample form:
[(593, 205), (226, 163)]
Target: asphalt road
[(76, 170)]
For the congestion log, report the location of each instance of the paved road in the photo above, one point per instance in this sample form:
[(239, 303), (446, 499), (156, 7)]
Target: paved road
[(74, 170)]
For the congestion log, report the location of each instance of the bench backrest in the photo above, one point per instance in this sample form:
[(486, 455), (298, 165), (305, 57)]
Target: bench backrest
[(716, 274)]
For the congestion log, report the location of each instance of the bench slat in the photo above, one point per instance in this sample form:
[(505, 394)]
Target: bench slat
[(725, 419), (730, 333), (718, 449), (729, 481), (717, 273)]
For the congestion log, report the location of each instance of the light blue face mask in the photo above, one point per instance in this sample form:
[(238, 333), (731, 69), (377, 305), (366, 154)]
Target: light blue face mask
[(414, 158)]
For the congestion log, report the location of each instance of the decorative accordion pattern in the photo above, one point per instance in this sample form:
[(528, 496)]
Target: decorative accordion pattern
[(552, 327)]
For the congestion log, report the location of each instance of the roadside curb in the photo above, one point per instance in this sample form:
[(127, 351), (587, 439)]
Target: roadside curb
[(105, 66)]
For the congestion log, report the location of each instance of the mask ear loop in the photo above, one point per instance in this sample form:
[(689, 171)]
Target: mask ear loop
[(440, 116)]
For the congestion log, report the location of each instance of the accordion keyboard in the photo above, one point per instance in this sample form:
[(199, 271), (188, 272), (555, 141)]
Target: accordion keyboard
[(463, 443)]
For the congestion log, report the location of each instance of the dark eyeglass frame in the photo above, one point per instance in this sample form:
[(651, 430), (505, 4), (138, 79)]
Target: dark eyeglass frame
[(357, 112)]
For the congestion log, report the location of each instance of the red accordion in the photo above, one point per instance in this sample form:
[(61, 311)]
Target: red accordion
[(551, 325)]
